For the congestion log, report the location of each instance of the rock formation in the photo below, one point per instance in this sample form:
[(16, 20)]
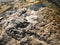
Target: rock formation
[(25, 26), (28, 26)]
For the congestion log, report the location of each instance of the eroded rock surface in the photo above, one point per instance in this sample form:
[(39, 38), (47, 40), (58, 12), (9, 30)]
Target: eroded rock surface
[(29, 27)]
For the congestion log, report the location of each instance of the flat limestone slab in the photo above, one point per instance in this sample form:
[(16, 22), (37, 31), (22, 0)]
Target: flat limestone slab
[(31, 3), (4, 8)]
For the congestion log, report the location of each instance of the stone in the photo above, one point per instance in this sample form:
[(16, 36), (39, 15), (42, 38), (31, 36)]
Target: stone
[(32, 18), (4, 8), (40, 27), (31, 0)]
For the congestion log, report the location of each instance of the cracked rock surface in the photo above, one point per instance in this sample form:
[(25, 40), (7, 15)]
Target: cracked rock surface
[(29, 27)]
